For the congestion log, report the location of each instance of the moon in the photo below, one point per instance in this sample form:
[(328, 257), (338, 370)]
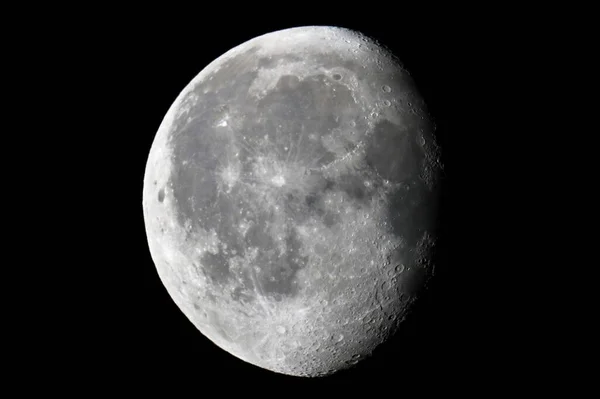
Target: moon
[(290, 199)]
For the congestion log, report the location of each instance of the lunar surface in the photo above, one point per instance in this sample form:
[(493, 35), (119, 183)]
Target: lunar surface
[(290, 199)]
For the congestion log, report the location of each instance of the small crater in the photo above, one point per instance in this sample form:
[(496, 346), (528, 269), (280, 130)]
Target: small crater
[(386, 103), (336, 76), (281, 329), (399, 268), (386, 88), (161, 195)]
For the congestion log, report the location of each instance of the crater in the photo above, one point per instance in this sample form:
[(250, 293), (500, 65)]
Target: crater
[(161, 195)]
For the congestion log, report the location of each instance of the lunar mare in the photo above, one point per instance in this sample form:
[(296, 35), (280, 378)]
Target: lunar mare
[(290, 199)]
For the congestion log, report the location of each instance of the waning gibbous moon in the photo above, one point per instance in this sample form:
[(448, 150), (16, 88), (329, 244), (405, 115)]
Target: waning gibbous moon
[(290, 199)]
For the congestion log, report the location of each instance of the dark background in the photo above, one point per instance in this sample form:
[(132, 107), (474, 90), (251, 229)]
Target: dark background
[(127, 67)]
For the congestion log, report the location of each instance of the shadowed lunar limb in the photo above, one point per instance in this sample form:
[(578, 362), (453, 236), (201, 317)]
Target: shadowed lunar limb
[(290, 196)]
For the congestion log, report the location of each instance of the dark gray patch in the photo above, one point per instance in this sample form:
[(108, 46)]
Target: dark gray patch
[(336, 76), (194, 185), (277, 272), (395, 155), (411, 211), (314, 205), (317, 209), (330, 219), (198, 148), (295, 109), (393, 152), (258, 234), (353, 185), (312, 200), (413, 280), (161, 195), (295, 205)]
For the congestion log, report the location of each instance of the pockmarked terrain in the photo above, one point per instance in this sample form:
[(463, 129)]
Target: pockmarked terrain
[(290, 199)]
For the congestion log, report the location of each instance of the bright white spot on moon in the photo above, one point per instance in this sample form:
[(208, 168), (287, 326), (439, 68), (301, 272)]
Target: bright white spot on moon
[(281, 329), (230, 175), (278, 180), (244, 226)]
